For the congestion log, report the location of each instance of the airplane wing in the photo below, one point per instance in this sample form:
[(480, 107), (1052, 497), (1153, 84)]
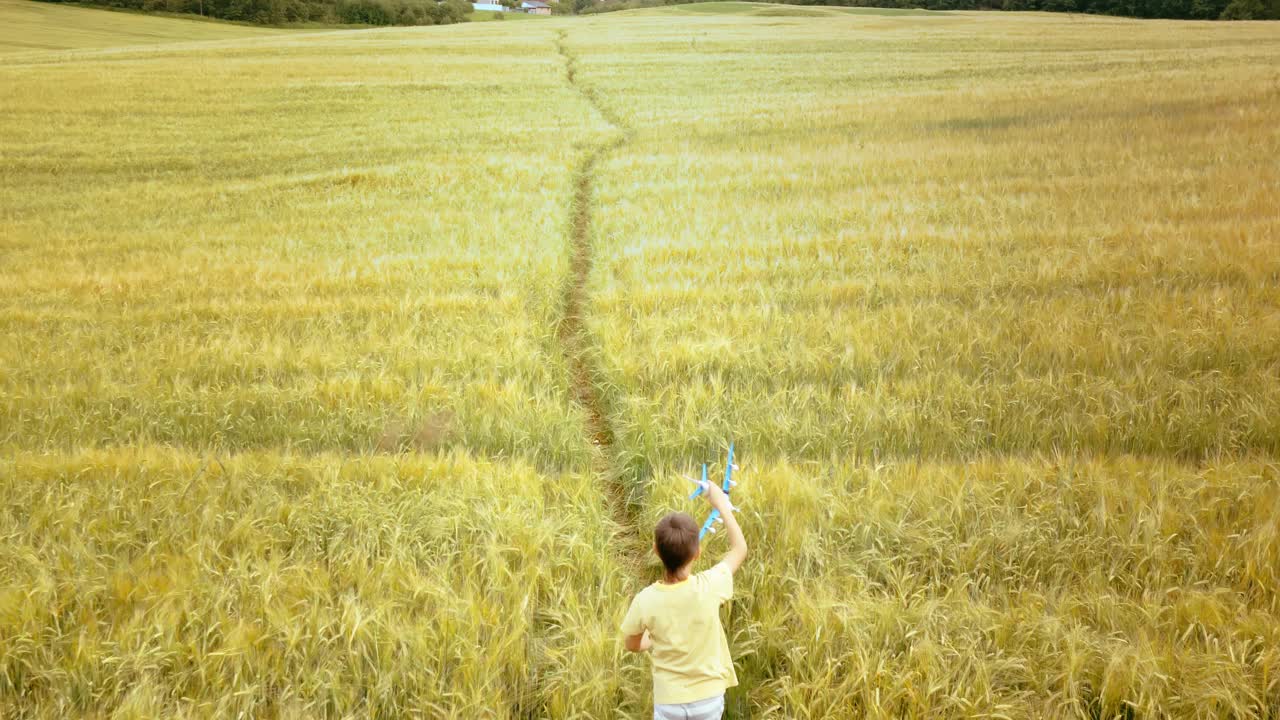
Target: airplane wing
[(701, 486), (728, 471), (707, 526)]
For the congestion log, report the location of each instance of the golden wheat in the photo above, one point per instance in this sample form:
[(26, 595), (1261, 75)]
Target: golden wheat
[(989, 303)]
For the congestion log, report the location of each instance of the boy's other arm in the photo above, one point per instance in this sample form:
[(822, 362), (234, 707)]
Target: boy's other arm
[(639, 643), (635, 641), (737, 543)]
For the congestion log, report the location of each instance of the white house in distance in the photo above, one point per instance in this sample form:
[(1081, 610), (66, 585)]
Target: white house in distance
[(534, 7)]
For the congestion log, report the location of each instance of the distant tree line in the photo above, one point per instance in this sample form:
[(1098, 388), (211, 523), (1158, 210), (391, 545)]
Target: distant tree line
[(281, 12), (1174, 9), (442, 12)]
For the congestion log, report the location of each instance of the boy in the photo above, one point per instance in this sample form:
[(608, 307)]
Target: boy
[(678, 619)]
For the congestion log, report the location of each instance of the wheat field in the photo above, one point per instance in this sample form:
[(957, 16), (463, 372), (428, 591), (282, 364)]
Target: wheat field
[(344, 372), (999, 300)]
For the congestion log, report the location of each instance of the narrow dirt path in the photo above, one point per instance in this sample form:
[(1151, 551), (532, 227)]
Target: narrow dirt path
[(575, 343)]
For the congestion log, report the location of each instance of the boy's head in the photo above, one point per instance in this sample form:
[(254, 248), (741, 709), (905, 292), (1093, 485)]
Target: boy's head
[(675, 539)]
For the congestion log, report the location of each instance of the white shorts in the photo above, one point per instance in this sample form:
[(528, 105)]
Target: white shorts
[(709, 709)]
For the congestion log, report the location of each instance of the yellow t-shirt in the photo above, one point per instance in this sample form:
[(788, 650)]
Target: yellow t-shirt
[(691, 658)]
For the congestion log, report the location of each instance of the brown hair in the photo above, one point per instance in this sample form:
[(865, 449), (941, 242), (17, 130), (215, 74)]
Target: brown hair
[(676, 538)]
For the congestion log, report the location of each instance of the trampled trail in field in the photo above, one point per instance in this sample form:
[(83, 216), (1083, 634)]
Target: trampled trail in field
[(572, 332)]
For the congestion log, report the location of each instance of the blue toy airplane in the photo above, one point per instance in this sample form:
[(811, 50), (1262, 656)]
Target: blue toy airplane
[(727, 486)]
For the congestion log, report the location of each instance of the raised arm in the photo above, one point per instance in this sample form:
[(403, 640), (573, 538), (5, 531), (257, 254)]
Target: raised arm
[(737, 543)]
